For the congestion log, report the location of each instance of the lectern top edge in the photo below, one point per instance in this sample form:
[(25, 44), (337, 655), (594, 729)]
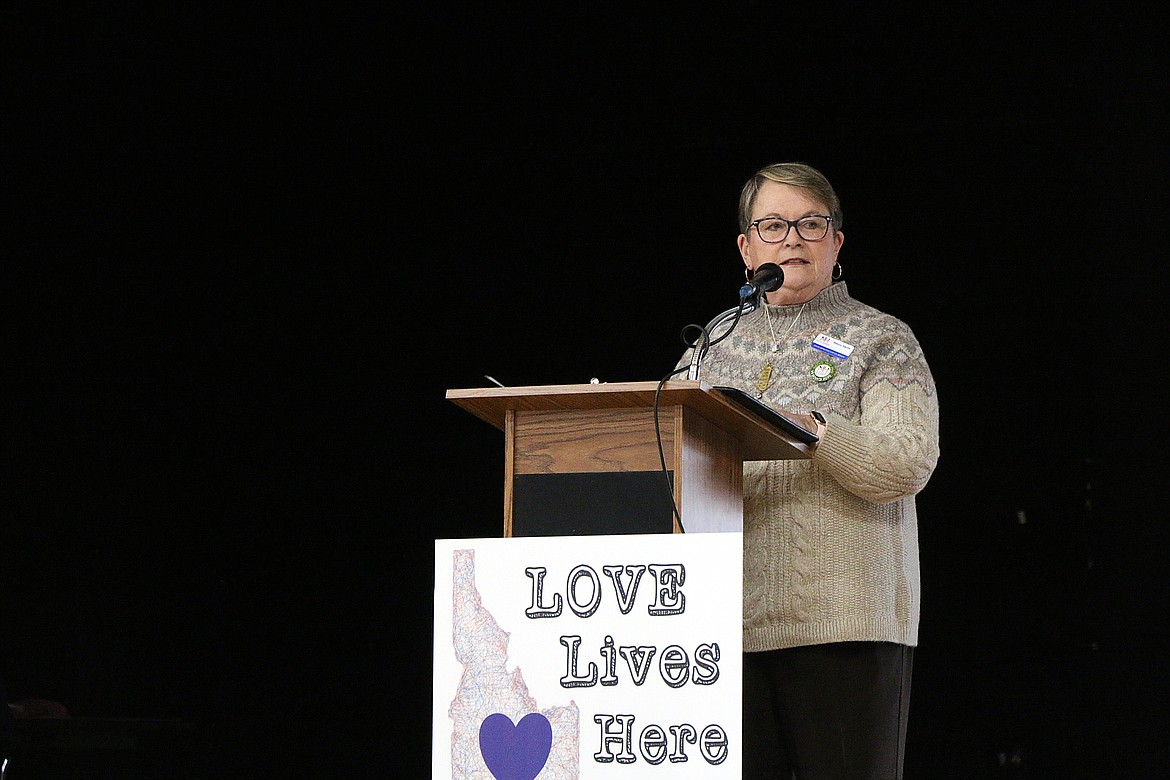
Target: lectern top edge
[(759, 440), (492, 403)]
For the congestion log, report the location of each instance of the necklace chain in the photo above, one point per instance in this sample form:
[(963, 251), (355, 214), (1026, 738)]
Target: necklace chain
[(768, 319), (765, 380)]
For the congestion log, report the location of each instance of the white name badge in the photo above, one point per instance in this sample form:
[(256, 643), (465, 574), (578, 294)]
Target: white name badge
[(831, 346)]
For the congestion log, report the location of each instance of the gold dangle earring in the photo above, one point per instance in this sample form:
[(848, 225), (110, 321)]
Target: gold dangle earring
[(838, 271)]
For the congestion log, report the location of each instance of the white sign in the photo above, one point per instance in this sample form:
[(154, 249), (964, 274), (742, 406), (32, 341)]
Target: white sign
[(588, 657)]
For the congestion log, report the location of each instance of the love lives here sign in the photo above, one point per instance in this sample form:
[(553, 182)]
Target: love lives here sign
[(588, 657)]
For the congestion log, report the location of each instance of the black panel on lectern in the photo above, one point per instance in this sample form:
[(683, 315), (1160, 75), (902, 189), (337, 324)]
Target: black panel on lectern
[(587, 504)]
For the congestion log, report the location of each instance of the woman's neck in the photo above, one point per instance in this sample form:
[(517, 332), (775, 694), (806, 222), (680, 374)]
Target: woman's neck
[(786, 297)]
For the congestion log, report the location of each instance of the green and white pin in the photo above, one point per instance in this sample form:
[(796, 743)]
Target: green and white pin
[(822, 371)]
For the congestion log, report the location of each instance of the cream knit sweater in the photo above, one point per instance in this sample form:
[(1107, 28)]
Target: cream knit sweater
[(831, 544)]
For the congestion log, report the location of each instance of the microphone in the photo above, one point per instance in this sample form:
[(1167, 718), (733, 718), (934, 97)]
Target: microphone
[(767, 277)]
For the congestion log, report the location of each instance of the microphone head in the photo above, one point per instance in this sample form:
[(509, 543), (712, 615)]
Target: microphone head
[(765, 278), (768, 277)]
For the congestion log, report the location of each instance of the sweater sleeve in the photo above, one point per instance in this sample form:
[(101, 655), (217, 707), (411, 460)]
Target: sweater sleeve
[(891, 451)]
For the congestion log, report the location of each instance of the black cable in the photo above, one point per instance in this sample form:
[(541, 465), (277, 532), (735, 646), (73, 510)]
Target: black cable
[(705, 339), (661, 454), (738, 313), (703, 343)]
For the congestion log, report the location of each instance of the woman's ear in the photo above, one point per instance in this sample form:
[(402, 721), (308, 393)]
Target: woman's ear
[(744, 250)]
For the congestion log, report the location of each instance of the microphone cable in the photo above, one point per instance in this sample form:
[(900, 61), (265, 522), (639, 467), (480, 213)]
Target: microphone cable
[(703, 342)]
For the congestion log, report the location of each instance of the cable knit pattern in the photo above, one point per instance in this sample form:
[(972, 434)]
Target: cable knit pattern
[(831, 543)]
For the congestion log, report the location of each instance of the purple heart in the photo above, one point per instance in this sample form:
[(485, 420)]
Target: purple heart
[(515, 752)]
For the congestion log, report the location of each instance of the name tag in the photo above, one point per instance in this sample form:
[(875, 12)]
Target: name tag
[(831, 346)]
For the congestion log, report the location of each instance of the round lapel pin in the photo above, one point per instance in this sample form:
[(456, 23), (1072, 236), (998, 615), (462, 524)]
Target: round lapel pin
[(822, 371)]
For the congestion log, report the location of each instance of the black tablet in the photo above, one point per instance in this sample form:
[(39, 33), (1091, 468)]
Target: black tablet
[(767, 413)]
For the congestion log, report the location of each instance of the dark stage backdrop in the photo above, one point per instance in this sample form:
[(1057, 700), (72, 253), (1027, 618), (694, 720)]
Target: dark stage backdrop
[(247, 252)]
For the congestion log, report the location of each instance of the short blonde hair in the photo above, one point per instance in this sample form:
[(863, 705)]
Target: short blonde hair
[(795, 174)]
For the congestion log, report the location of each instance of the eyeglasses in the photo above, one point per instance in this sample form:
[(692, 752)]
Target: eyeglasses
[(773, 230)]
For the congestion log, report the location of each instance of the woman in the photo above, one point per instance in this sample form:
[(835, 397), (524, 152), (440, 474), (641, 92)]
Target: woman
[(831, 577)]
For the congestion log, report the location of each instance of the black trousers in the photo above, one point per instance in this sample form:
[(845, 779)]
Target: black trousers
[(826, 712)]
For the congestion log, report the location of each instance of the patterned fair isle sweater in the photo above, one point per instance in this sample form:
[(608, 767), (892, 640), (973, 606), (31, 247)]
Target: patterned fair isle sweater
[(831, 543)]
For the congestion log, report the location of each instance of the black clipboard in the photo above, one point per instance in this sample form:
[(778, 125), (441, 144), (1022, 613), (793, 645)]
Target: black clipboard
[(767, 413)]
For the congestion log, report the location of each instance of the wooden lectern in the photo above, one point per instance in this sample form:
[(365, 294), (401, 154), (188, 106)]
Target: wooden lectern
[(585, 459)]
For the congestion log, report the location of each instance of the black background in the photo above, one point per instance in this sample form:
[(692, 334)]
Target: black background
[(247, 251)]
